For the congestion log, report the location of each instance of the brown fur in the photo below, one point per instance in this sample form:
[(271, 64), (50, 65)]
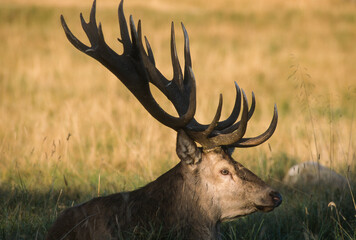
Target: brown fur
[(189, 202)]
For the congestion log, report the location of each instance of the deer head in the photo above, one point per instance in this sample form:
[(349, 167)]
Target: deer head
[(226, 189)]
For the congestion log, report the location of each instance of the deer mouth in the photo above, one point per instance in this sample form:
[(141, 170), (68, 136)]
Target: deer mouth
[(265, 208)]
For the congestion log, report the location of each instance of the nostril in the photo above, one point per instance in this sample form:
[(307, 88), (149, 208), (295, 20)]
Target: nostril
[(276, 198)]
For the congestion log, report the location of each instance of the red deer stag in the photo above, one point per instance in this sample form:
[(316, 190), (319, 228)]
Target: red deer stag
[(205, 188)]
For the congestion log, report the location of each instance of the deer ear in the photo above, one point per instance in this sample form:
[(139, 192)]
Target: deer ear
[(187, 150)]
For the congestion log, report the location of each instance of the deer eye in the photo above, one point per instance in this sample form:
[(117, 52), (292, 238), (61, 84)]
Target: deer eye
[(225, 172)]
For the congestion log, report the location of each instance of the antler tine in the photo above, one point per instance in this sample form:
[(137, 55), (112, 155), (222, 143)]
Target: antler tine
[(187, 58), (202, 137), (91, 29), (236, 125), (92, 19), (235, 111), (216, 118), (134, 34), (140, 43), (177, 71), (72, 39), (228, 125), (253, 106), (150, 52), (252, 142), (124, 32), (229, 138), (208, 139)]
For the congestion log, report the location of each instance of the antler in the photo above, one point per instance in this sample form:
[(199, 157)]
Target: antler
[(136, 69)]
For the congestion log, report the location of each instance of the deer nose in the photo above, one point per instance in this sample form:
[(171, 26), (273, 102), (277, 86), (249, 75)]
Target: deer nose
[(276, 198)]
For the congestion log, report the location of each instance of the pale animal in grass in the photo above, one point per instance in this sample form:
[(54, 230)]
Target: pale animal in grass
[(205, 188), (314, 176)]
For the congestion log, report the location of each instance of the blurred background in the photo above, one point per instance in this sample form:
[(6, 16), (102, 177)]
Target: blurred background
[(70, 131)]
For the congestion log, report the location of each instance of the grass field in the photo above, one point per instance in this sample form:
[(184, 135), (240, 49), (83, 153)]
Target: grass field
[(70, 131)]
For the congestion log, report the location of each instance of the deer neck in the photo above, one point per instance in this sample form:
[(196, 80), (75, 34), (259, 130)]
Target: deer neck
[(176, 199)]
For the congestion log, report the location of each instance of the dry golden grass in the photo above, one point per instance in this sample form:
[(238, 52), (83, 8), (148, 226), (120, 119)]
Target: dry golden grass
[(69, 130), (299, 55)]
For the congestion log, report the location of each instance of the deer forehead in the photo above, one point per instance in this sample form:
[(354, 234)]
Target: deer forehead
[(219, 159)]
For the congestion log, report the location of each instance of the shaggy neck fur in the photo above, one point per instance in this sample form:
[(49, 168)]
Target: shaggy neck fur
[(173, 201)]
